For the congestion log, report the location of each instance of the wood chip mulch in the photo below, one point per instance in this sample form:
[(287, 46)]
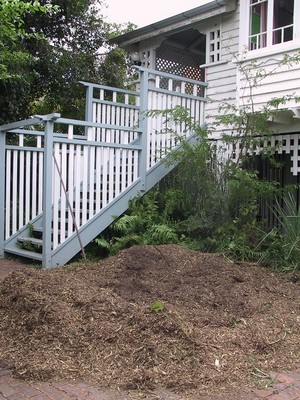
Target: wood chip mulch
[(151, 317)]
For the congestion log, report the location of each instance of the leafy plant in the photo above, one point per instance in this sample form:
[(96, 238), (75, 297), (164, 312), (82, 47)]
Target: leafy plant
[(282, 244), (211, 202), (157, 306), (143, 224)]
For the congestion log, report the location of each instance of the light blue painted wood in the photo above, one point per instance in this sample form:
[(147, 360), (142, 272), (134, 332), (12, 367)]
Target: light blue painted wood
[(147, 179), (110, 88), (47, 194), (20, 124), (112, 103), (143, 127), (91, 125), (169, 76), (103, 219), (89, 104), (183, 95), (2, 192)]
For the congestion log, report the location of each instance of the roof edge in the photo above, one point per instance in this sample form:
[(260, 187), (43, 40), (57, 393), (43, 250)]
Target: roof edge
[(151, 30)]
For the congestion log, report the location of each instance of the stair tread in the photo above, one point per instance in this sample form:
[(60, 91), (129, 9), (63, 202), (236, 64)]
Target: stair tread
[(24, 253), (30, 239), (37, 228)]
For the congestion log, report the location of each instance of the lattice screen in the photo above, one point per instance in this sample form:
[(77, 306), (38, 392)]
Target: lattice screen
[(285, 143), (179, 62)]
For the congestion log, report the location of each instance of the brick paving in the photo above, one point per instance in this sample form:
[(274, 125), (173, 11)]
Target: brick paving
[(286, 385)]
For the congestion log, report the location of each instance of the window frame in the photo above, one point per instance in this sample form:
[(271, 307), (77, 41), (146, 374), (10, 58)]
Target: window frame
[(245, 27)]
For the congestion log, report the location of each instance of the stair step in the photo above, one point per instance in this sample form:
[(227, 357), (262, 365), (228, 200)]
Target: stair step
[(32, 240), (38, 229), (24, 253)]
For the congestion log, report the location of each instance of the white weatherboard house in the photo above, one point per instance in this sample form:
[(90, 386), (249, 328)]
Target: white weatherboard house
[(65, 179)]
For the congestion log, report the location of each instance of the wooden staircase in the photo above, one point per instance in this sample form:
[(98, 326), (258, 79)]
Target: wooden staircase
[(66, 180)]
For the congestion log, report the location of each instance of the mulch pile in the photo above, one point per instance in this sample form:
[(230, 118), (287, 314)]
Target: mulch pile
[(150, 317)]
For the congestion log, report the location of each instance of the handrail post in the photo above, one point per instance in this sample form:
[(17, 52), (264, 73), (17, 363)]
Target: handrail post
[(47, 189), (143, 122), (89, 103), (2, 193)]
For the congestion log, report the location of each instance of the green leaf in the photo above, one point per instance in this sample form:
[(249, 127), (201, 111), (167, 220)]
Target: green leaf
[(157, 306)]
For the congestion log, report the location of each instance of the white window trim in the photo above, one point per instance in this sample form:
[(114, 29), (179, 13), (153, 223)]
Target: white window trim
[(245, 29)]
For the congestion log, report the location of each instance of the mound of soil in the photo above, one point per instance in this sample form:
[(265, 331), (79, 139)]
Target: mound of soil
[(150, 317)]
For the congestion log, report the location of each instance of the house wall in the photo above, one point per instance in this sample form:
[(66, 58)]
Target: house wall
[(226, 83), (280, 80), (222, 76)]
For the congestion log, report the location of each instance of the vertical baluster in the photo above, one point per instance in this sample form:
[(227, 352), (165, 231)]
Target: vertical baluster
[(27, 185), (117, 172), (63, 185), (15, 191), (150, 128), (57, 218), (78, 177), (126, 139), (71, 183), (111, 176), (104, 176), (8, 195), (123, 118), (183, 105), (135, 165), (132, 123), (98, 163), (162, 136), (114, 121), (102, 117), (124, 153), (98, 120), (171, 126), (95, 112), (21, 220), (129, 167), (41, 172), (194, 104), (108, 137), (295, 149), (84, 192), (34, 184), (91, 176)]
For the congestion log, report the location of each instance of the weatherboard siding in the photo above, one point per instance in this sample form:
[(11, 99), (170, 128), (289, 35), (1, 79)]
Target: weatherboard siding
[(282, 81), (222, 77)]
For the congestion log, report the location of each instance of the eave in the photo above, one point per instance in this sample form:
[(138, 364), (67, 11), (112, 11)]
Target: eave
[(175, 23)]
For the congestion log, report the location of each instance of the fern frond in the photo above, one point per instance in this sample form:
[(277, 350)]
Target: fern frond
[(127, 224), (103, 243), (126, 241), (162, 234)]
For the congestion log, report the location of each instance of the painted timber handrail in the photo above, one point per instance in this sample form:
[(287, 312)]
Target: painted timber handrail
[(96, 165)]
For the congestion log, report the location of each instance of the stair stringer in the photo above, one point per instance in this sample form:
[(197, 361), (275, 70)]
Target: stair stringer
[(68, 249)]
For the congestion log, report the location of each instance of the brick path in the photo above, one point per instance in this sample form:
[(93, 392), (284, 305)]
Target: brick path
[(286, 385)]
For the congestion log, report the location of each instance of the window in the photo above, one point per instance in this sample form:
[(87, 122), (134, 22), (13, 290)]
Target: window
[(271, 22), (258, 24), (283, 21), (214, 43)]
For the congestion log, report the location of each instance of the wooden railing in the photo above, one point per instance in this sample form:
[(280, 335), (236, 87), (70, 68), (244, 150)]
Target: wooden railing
[(60, 173), (22, 166)]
